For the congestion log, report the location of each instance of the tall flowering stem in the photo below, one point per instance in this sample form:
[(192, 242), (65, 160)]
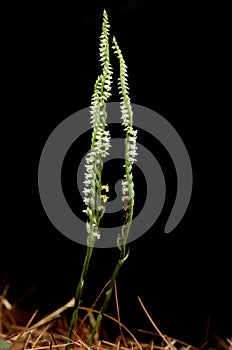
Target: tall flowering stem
[(128, 193), (127, 183), (95, 194)]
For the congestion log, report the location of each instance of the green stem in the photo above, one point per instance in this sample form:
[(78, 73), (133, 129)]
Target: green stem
[(78, 294), (109, 291)]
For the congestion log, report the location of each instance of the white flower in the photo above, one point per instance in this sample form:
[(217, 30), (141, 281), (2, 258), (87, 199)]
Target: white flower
[(86, 200), (88, 211), (97, 235), (132, 155), (125, 188), (89, 168), (87, 182), (125, 198), (89, 158), (102, 142), (88, 176)]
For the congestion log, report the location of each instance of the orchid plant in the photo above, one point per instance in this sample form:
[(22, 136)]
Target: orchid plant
[(95, 193)]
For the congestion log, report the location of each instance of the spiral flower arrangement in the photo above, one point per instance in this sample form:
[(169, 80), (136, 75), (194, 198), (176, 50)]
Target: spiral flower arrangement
[(95, 193)]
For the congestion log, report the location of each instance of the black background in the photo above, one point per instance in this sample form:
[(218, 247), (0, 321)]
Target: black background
[(51, 65)]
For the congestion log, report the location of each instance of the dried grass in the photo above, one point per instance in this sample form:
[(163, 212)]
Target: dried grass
[(50, 332)]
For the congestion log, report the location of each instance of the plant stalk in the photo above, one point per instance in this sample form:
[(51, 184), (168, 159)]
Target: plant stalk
[(109, 291), (78, 293)]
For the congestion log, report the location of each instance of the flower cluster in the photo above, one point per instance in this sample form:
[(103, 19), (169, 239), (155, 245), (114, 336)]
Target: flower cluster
[(125, 106), (93, 164), (102, 142), (102, 87), (93, 197), (130, 147)]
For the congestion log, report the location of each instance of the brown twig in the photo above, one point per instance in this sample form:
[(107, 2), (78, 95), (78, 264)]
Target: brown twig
[(118, 313), (221, 342), (3, 302), (115, 320), (46, 319), (154, 325), (94, 303)]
